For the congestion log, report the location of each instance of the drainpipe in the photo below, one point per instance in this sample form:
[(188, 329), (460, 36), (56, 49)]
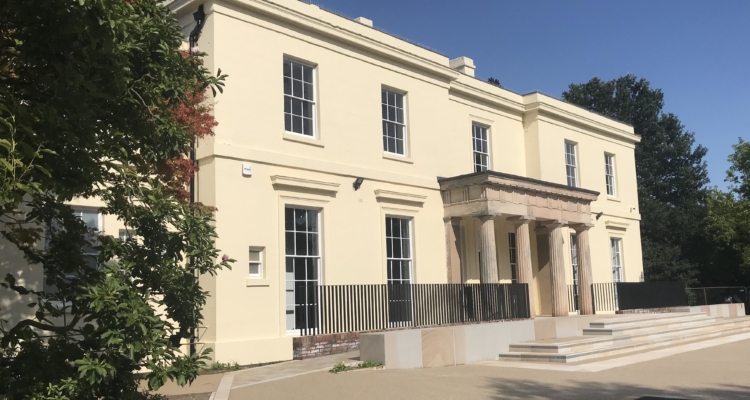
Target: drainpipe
[(200, 20)]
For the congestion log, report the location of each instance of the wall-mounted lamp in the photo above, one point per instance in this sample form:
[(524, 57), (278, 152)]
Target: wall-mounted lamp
[(357, 183), (599, 215)]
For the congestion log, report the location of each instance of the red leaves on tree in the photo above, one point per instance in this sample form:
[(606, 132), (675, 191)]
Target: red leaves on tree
[(195, 116)]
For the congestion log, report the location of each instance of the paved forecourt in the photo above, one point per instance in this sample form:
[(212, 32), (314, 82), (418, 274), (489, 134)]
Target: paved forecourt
[(699, 372)]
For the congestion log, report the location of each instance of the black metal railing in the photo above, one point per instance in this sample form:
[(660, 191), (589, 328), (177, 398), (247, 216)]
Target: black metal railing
[(572, 298), (358, 308), (605, 297), (705, 296), (637, 295)]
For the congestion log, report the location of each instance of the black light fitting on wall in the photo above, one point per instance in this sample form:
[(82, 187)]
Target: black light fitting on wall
[(357, 183)]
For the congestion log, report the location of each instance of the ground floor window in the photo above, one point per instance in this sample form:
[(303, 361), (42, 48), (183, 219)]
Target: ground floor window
[(616, 252), (574, 264), (513, 254), (398, 249), (302, 243)]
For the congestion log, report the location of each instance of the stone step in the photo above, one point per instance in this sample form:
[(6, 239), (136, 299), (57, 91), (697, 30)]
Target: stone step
[(735, 326), (581, 343), (649, 326), (643, 319)]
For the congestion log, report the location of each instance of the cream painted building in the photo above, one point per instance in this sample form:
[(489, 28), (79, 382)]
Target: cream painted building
[(345, 155)]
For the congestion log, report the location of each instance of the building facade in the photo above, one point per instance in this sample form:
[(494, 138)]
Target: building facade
[(345, 155)]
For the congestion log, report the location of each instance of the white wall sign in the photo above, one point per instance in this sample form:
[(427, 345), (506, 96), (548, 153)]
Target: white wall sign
[(247, 169)]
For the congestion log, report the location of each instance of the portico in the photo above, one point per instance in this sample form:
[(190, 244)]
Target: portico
[(533, 207)]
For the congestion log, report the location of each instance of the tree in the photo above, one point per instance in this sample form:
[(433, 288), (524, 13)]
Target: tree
[(728, 223), (494, 81), (97, 100), (672, 175)]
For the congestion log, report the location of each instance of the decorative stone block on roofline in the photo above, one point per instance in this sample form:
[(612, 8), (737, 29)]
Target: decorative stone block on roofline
[(495, 193)]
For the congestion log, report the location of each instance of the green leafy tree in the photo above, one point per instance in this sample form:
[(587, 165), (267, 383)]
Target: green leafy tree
[(97, 101), (728, 224), (672, 175)]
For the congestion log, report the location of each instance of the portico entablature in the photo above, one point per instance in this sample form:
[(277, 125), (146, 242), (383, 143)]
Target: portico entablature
[(495, 193)]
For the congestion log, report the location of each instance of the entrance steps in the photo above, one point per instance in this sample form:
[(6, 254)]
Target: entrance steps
[(618, 336)]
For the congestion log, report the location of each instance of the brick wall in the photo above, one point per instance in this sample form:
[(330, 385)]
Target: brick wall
[(323, 345)]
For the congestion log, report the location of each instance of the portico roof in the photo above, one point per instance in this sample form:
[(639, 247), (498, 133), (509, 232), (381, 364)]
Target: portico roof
[(497, 193)]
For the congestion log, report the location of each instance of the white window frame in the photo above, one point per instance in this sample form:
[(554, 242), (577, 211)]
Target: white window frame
[(260, 262), (615, 245), (313, 101), (513, 256), (484, 142), (610, 174), (125, 234), (571, 164), (385, 110), (318, 258), (390, 240)]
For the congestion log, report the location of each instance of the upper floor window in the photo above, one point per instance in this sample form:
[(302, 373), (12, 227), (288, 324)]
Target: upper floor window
[(571, 163), (394, 125), (255, 264), (480, 140), (299, 98), (609, 173)]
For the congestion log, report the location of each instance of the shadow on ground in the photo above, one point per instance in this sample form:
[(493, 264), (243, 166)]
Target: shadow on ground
[(577, 390)]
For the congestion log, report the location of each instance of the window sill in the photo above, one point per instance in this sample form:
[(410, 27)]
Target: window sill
[(294, 137), (613, 199), (257, 282), (396, 157)]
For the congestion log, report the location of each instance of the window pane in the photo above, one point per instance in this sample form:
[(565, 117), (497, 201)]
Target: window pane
[(312, 244), (297, 88), (300, 244), (287, 86), (308, 74), (297, 71), (287, 68), (289, 239), (399, 146), (308, 91), (254, 269), (254, 255), (312, 269), (90, 219)]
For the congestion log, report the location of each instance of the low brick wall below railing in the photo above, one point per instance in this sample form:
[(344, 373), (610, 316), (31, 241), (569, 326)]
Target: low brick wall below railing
[(323, 345)]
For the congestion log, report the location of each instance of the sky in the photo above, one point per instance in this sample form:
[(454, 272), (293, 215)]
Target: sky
[(697, 52)]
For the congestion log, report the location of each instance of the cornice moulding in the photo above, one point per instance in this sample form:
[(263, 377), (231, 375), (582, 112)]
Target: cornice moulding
[(299, 183), (381, 194)]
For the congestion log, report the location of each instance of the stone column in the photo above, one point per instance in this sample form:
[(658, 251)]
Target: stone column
[(488, 262), (453, 249), (523, 258), (585, 276), (557, 268)]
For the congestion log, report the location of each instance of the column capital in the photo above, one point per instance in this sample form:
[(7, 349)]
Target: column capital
[(521, 219), (582, 227), (453, 220), (485, 217), (554, 223)]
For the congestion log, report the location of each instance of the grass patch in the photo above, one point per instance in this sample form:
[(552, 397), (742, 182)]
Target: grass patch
[(341, 367), (221, 367)]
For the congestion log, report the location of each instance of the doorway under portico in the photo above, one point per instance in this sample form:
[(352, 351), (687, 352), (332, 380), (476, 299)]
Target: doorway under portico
[(507, 228)]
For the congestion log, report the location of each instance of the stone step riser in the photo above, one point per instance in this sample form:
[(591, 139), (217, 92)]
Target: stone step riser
[(618, 322), (570, 358), (566, 348), (644, 329)]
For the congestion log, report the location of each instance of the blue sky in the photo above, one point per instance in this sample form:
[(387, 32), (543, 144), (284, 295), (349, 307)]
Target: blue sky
[(697, 52)]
